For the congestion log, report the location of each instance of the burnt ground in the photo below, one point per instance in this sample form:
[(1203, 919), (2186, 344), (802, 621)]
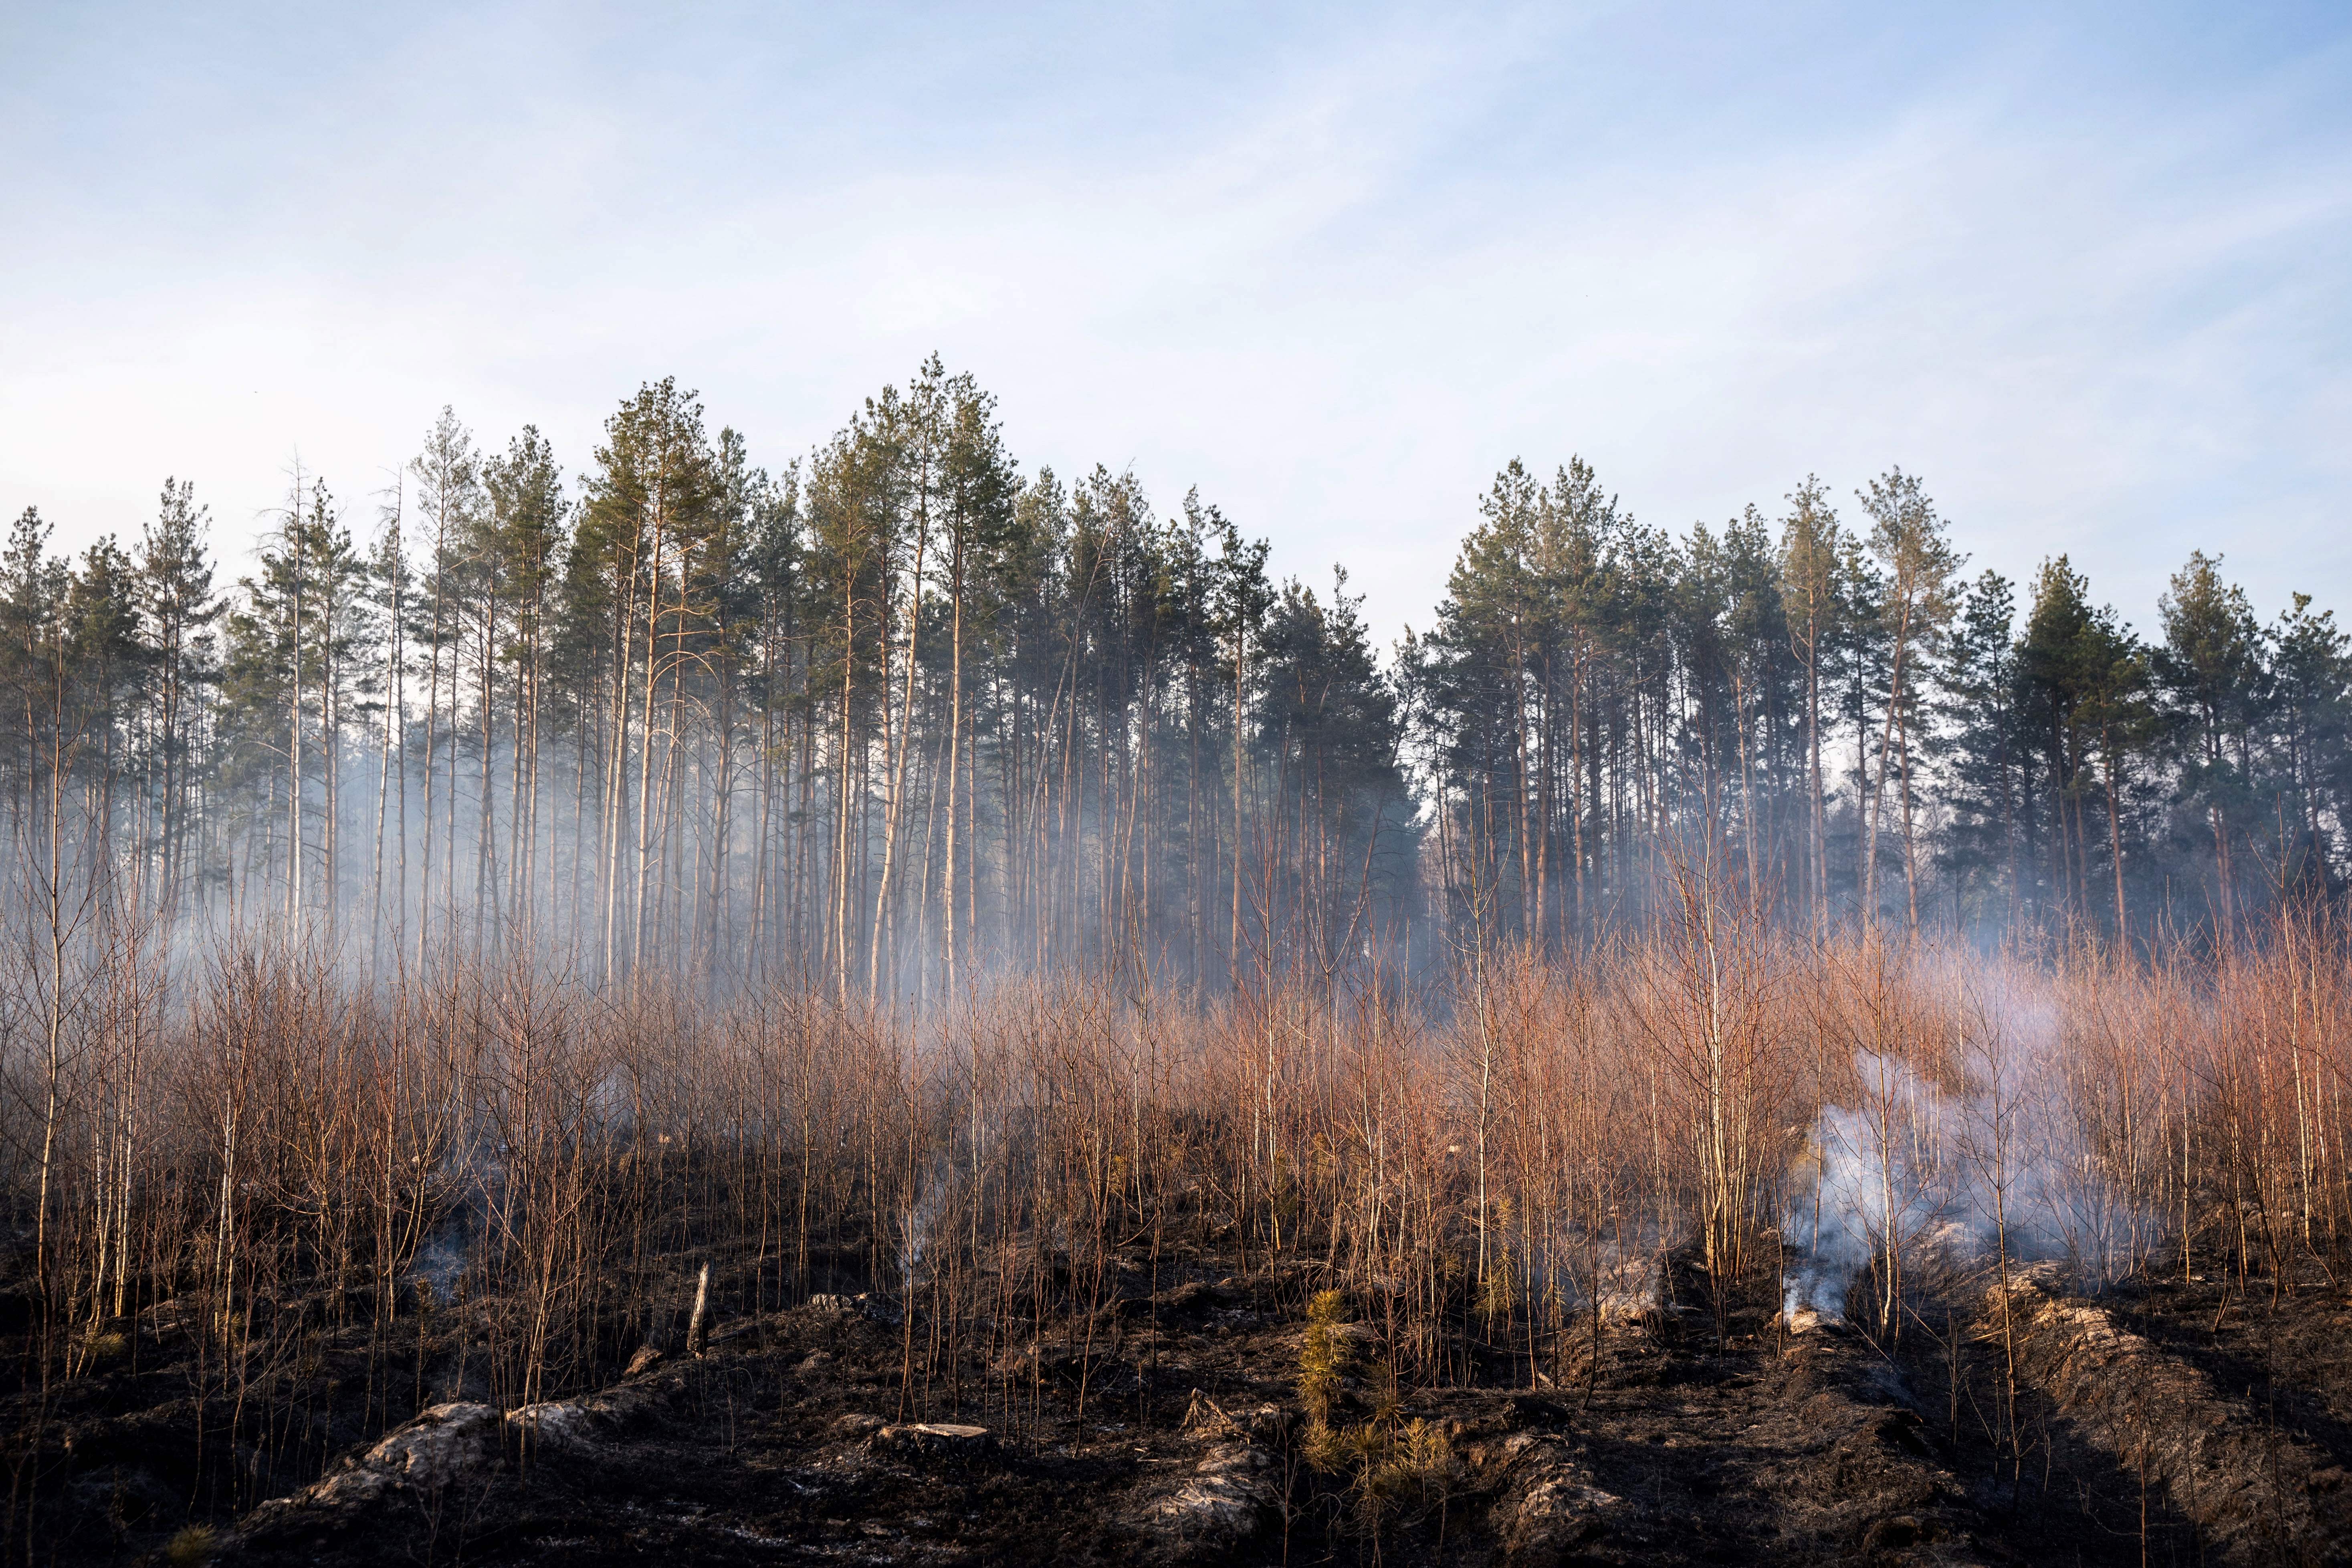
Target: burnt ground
[(1692, 1435), (2286, 1359)]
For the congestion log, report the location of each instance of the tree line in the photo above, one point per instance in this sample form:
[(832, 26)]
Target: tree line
[(1829, 713), (904, 713)]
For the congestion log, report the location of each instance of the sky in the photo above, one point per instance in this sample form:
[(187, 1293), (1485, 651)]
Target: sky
[(2082, 268)]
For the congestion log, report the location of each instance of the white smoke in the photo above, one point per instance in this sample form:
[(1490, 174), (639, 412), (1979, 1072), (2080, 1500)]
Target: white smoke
[(1911, 1171), (442, 1260), (1882, 1176)]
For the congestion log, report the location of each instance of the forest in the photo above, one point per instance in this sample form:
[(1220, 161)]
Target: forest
[(900, 716), (909, 1008)]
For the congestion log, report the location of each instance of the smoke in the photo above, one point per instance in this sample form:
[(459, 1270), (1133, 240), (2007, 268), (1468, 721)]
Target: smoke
[(1883, 1178), (442, 1260), (1910, 1174), (472, 1178), (918, 1222), (1627, 1281)]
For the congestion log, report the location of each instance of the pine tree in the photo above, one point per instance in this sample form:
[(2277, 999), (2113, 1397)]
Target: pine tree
[(447, 474), (1909, 543), (2311, 674), (2215, 685), (1979, 750), (1812, 546), (178, 608)]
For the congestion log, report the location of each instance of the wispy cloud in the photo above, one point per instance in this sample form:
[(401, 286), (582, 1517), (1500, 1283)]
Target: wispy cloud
[(1335, 267)]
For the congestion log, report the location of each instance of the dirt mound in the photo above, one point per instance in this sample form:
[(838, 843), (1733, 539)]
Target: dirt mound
[(450, 1445), (2255, 1492)]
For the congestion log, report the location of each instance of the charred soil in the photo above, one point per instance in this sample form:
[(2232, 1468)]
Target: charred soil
[(1170, 1425)]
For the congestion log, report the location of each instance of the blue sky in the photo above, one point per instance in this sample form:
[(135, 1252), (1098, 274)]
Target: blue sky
[(2085, 270)]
